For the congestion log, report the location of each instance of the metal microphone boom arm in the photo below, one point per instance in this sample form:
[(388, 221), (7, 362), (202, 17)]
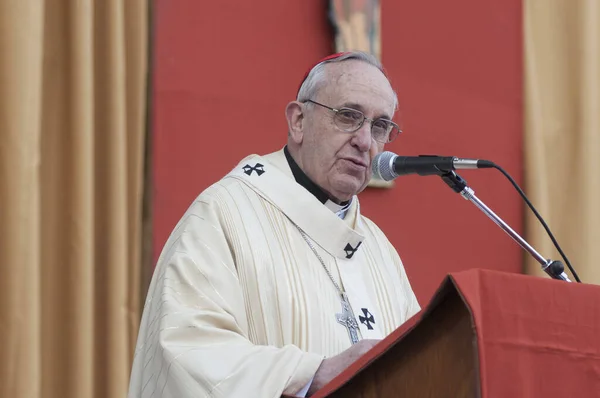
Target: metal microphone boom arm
[(553, 268)]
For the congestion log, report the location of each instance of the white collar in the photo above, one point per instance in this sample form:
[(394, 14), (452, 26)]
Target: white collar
[(339, 210)]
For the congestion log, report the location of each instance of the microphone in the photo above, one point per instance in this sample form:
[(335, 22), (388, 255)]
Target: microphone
[(388, 166)]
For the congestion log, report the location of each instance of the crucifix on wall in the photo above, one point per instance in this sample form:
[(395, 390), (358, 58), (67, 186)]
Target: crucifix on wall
[(357, 26)]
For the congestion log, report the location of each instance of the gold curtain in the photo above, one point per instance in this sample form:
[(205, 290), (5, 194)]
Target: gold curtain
[(72, 121), (562, 129)]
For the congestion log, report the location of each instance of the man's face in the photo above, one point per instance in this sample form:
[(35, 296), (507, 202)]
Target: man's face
[(338, 161)]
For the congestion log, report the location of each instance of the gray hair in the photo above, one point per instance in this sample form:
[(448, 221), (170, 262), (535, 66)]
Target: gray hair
[(316, 76)]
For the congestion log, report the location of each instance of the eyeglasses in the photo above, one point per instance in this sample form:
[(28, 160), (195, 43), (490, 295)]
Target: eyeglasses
[(350, 120)]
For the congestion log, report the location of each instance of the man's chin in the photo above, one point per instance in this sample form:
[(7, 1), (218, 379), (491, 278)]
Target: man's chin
[(347, 187)]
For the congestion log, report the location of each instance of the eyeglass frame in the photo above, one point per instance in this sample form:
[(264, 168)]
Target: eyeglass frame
[(364, 117)]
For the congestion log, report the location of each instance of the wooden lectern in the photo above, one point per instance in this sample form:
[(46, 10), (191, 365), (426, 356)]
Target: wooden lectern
[(487, 334)]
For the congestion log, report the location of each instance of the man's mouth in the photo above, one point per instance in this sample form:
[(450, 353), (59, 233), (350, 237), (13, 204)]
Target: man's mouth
[(357, 162)]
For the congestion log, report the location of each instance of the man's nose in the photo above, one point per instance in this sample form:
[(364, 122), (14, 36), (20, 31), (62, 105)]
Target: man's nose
[(362, 137)]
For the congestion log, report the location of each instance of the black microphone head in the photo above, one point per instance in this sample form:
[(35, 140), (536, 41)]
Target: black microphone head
[(382, 166)]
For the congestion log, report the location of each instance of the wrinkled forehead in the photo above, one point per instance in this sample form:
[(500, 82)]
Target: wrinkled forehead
[(357, 82)]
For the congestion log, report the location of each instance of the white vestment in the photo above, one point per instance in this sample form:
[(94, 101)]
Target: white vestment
[(239, 304)]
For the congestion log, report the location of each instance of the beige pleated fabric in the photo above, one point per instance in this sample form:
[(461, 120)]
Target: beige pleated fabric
[(72, 105), (241, 306), (562, 129)]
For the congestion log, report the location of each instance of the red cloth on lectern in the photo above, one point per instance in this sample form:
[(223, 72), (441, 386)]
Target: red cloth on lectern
[(538, 338)]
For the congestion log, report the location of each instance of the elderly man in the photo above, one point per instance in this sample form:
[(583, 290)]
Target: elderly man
[(273, 283)]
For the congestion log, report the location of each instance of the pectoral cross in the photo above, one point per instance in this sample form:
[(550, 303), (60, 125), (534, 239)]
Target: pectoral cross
[(347, 319)]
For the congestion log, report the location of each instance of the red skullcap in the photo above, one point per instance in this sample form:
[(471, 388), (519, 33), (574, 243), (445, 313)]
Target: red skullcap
[(327, 58)]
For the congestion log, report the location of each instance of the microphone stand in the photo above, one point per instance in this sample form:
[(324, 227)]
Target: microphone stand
[(552, 267)]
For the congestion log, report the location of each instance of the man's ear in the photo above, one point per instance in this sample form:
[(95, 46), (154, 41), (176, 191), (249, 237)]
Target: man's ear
[(294, 113)]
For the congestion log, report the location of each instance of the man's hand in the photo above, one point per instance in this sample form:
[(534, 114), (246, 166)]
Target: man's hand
[(331, 367)]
